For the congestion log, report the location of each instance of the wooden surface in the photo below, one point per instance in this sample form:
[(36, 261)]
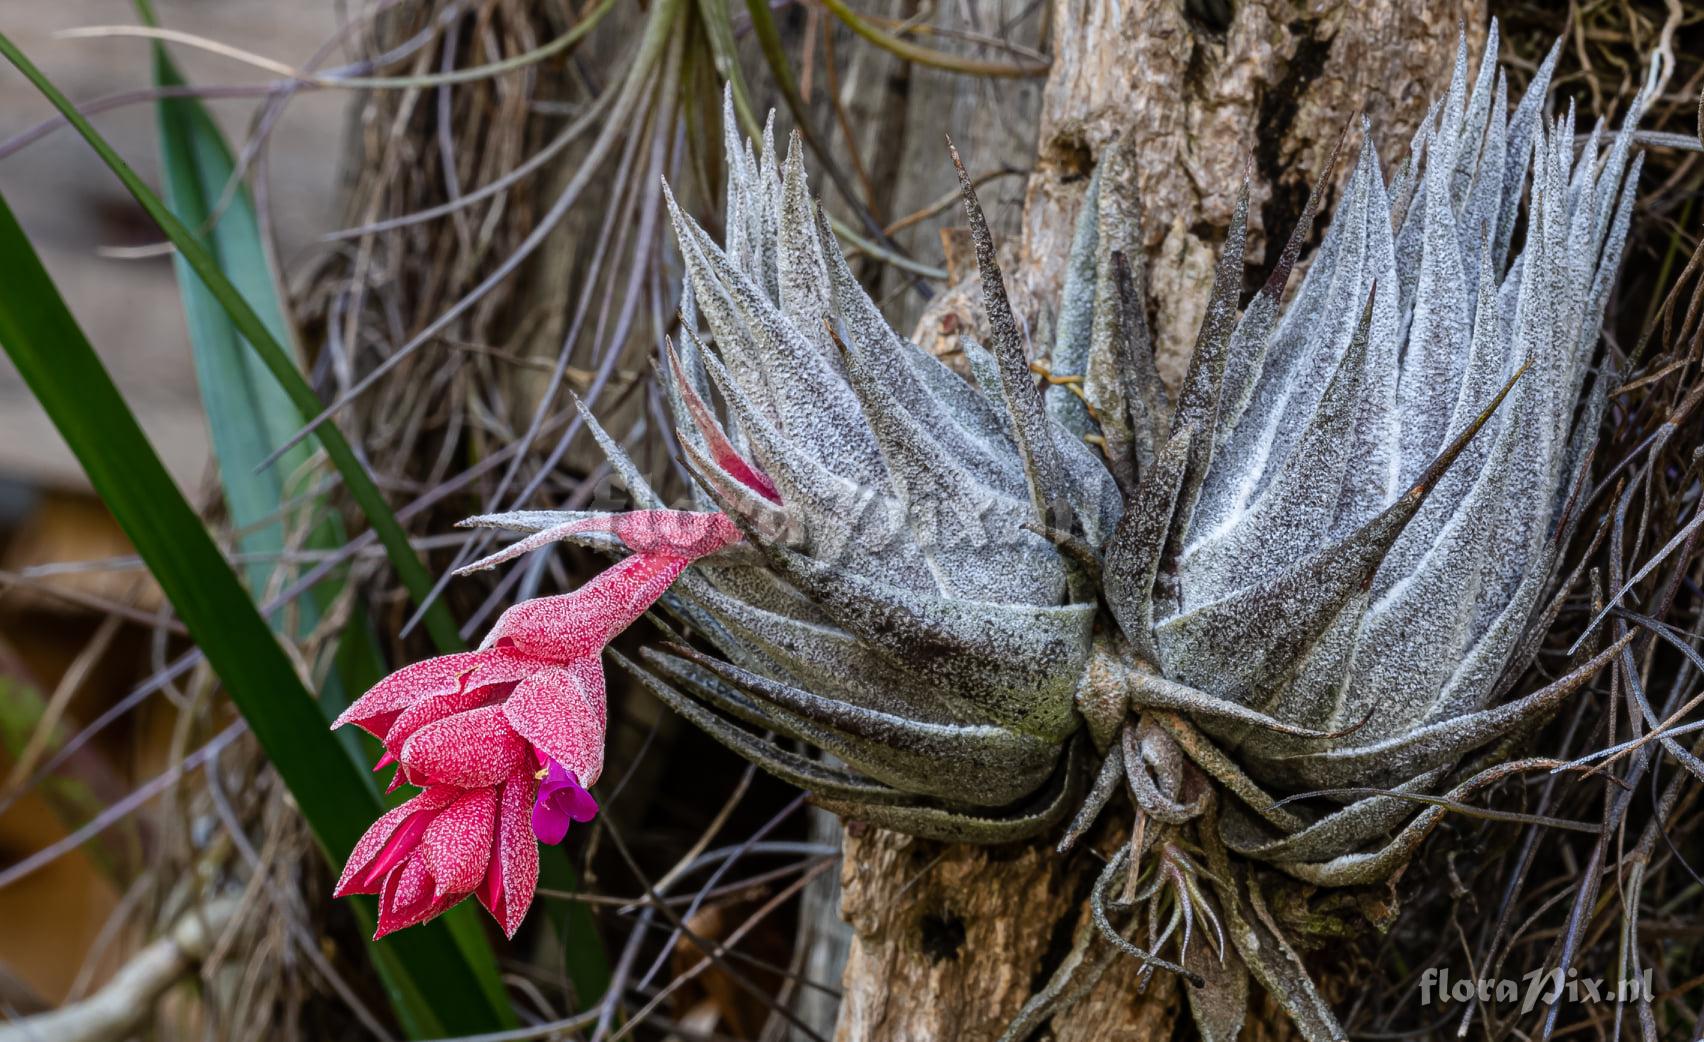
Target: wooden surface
[(950, 941)]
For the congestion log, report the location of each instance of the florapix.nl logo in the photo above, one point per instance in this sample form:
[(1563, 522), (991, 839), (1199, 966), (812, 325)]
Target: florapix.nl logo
[(1534, 989)]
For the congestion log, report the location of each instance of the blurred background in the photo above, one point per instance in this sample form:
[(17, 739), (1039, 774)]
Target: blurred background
[(61, 645), (91, 708), (93, 701)]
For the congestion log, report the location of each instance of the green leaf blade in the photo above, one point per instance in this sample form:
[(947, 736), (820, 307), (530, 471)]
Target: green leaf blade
[(243, 406), (271, 353), (335, 796)]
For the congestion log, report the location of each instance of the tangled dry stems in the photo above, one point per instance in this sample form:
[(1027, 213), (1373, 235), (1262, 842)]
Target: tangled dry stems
[(489, 390)]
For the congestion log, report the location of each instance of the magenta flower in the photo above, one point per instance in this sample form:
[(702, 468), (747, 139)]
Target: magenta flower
[(560, 800), (447, 843), (506, 740)]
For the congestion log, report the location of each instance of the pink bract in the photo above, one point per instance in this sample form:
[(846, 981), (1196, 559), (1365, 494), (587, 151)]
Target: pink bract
[(478, 731), (444, 844)]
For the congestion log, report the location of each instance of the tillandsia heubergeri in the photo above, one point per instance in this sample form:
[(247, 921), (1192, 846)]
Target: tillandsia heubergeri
[(1280, 611), (504, 741)]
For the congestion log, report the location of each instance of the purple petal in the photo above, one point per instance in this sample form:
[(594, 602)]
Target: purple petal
[(555, 775), (575, 802), (549, 824), (561, 799)]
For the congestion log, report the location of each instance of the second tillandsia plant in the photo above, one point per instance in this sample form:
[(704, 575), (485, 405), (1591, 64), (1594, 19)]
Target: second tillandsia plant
[(1281, 611)]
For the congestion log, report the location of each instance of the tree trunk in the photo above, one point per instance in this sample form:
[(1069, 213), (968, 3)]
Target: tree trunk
[(949, 941)]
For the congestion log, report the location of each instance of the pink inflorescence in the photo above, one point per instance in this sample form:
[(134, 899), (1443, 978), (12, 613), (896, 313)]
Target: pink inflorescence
[(504, 742)]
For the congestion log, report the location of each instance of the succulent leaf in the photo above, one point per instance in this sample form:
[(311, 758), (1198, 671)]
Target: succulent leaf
[(1031, 431), (1320, 570)]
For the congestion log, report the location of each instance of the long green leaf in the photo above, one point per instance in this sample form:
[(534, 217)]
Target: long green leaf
[(337, 798), (248, 413), (229, 271), (276, 359)]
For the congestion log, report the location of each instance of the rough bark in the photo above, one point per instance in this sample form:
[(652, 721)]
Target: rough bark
[(950, 940), (1271, 82)]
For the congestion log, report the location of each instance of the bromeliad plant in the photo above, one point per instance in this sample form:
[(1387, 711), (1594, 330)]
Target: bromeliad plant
[(504, 741), (1315, 574)]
